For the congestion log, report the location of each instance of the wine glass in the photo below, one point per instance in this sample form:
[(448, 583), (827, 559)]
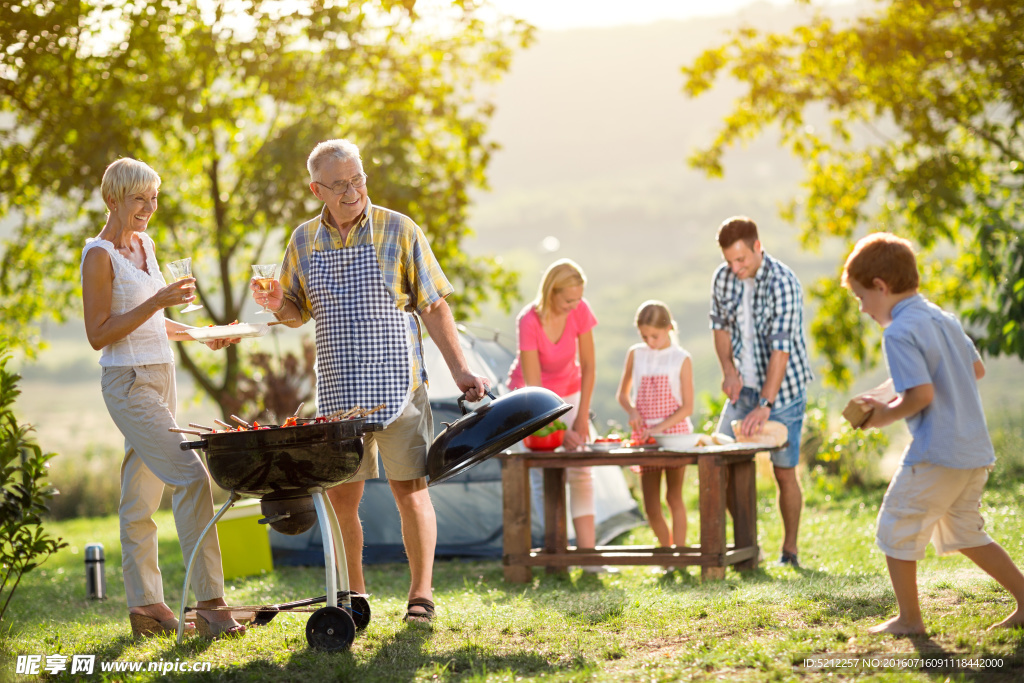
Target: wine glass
[(265, 275), (180, 270)]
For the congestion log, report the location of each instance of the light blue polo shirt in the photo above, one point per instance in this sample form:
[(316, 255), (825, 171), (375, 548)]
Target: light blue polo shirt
[(926, 345)]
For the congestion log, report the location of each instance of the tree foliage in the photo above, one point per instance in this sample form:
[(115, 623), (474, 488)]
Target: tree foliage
[(908, 119), (225, 100)]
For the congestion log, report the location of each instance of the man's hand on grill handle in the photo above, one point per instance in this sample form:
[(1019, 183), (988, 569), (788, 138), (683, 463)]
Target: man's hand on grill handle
[(474, 386)]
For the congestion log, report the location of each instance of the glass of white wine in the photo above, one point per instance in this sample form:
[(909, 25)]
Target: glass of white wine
[(180, 270), (265, 275)]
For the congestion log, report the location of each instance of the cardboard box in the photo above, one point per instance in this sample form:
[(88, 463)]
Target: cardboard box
[(244, 542)]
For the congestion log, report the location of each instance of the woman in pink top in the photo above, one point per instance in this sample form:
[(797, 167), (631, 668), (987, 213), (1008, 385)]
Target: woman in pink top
[(556, 351)]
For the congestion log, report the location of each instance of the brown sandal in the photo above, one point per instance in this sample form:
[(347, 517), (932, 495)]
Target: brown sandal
[(144, 626), (217, 629), (424, 618)]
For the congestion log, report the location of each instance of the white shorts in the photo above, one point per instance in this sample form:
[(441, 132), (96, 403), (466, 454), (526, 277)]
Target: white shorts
[(927, 502)]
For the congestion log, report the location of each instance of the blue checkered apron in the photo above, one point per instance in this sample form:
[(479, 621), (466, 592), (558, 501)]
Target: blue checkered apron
[(362, 341)]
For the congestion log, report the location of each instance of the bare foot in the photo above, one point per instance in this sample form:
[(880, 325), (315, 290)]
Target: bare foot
[(1015, 620), (897, 627)]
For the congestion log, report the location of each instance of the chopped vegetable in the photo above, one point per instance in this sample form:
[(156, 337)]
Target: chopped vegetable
[(556, 426)]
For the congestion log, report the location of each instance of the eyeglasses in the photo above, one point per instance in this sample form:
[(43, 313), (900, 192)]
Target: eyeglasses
[(341, 187)]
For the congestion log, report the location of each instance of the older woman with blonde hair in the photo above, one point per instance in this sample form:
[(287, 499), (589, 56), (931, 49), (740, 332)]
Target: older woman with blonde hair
[(124, 297), (556, 351)]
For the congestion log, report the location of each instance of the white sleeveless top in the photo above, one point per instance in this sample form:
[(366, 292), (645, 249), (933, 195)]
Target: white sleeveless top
[(648, 362), (147, 344)]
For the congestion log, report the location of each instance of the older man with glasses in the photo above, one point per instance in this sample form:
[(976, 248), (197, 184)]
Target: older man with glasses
[(366, 274)]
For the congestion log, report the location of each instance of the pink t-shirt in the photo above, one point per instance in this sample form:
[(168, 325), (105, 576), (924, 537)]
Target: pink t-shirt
[(559, 361)]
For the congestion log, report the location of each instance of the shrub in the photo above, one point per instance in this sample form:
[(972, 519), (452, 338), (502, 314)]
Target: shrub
[(840, 458), (24, 494)]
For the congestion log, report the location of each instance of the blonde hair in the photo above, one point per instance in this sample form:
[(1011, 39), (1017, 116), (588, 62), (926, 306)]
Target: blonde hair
[(885, 256), (127, 176), (560, 275), (654, 313)]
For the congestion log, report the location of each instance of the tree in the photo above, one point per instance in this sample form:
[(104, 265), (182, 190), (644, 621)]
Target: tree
[(923, 135), (225, 100)]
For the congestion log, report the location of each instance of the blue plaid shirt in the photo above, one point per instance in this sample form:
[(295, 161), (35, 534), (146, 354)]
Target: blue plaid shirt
[(778, 322)]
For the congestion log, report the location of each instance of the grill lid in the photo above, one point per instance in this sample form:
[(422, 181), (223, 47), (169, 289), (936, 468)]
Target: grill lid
[(491, 428)]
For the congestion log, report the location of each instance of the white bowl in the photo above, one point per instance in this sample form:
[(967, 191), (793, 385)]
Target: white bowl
[(677, 442)]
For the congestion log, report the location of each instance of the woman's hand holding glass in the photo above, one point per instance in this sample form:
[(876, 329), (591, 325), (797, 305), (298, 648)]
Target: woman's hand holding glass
[(181, 270), (176, 293)]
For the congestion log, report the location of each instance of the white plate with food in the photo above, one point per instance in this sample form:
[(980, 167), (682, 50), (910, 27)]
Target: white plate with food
[(232, 331), (238, 330)]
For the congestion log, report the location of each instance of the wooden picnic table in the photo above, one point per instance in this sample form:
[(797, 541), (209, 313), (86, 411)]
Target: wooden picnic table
[(713, 554)]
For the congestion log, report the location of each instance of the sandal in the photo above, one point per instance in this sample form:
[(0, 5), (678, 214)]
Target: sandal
[(144, 626), (216, 629), (424, 618)]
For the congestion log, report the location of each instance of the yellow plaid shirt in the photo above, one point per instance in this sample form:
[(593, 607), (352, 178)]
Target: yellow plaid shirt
[(411, 272)]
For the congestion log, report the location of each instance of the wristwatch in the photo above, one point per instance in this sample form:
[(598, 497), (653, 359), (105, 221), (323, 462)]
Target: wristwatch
[(765, 403)]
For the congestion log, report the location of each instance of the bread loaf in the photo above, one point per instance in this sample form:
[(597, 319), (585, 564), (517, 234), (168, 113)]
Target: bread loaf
[(857, 412), (772, 432), (722, 439), (704, 440)]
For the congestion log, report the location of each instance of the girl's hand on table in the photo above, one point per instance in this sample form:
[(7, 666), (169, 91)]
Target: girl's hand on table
[(636, 423), (578, 435)]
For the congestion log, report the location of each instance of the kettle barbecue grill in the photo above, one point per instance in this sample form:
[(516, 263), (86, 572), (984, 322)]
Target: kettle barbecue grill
[(287, 466)]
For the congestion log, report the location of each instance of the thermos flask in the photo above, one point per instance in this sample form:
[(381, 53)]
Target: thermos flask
[(95, 577)]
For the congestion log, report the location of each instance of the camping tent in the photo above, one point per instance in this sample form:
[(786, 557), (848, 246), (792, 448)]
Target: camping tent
[(468, 506)]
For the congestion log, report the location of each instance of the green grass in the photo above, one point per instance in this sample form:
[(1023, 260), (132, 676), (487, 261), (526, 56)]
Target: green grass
[(635, 625)]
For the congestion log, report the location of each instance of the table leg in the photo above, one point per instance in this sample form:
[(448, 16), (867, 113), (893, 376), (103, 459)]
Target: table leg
[(556, 537), (515, 487), (712, 517), (744, 516)]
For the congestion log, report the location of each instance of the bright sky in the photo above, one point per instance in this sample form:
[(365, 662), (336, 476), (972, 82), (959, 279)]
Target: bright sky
[(564, 14)]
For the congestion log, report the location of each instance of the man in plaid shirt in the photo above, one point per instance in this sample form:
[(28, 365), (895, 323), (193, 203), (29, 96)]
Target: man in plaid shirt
[(368, 277), (757, 322)]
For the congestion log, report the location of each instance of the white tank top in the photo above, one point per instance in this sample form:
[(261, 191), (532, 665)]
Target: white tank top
[(147, 344), (652, 362)]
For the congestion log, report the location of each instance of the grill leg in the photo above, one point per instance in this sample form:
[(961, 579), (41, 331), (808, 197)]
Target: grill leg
[(340, 559), (191, 561), (327, 533)]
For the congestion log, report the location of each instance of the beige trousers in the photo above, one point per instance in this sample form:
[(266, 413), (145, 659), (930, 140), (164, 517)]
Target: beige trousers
[(141, 400)]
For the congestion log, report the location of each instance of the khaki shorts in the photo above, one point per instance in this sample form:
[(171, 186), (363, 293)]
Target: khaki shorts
[(928, 502), (402, 445)]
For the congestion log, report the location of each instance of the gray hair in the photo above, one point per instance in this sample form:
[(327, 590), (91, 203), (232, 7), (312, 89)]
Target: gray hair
[(342, 150)]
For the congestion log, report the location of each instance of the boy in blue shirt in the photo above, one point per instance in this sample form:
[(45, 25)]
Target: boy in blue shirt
[(936, 493)]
